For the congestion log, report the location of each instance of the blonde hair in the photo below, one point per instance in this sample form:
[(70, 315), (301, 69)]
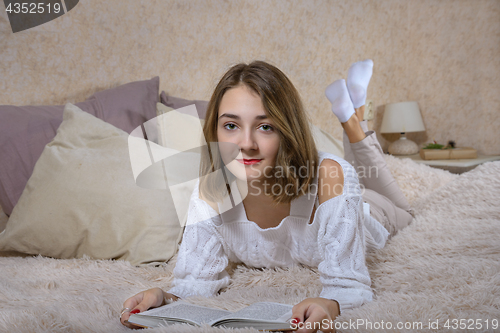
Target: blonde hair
[(283, 105)]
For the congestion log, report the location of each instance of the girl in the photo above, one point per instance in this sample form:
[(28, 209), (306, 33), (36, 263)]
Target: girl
[(299, 206)]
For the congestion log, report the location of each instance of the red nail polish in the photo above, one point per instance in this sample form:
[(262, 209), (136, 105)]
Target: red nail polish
[(135, 311), (295, 321)]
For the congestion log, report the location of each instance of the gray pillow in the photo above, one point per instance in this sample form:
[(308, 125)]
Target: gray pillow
[(25, 130), (177, 103)]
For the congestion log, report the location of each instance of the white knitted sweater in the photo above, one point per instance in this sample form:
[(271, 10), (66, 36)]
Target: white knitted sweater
[(335, 242)]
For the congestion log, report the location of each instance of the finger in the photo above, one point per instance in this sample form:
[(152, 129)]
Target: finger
[(150, 299), (124, 320), (298, 312), (129, 305), (141, 302), (141, 307), (315, 322), (133, 301)]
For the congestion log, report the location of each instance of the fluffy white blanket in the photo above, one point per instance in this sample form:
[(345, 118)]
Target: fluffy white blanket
[(444, 266)]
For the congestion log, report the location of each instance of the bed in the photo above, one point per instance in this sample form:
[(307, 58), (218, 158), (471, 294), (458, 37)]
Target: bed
[(440, 273)]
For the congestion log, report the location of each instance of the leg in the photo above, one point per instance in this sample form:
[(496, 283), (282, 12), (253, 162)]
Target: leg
[(365, 149), (348, 154), (355, 135), (373, 170), (383, 210), (343, 108), (387, 203), (394, 213)]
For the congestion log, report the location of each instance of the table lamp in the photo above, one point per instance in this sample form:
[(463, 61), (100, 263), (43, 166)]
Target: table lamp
[(402, 118)]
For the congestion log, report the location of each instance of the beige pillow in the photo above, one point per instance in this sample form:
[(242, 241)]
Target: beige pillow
[(179, 129), (82, 199), (327, 143)]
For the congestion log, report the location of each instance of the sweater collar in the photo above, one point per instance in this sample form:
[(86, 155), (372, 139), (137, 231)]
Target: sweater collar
[(233, 209)]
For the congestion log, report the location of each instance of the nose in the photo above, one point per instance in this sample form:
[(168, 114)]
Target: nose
[(247, 141)]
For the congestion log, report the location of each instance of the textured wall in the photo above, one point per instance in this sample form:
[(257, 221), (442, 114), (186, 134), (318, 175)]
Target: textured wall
[(442, 53)]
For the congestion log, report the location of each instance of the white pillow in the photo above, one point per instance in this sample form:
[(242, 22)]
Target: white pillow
[(327, 143), (82, 199)]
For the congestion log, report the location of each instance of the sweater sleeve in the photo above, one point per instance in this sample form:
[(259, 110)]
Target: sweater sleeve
[(201, 261), (341, 240)]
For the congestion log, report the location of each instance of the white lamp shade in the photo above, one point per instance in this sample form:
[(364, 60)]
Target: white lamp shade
[(402, 118)]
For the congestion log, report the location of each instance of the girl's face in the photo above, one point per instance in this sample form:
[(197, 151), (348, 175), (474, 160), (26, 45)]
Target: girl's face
[(252, 139)]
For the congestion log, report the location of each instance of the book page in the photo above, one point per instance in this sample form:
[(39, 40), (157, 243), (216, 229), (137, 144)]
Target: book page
[(187, 312), (262, 311)]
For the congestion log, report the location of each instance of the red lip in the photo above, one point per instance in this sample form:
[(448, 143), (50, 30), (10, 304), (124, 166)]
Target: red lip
[(250, 161)]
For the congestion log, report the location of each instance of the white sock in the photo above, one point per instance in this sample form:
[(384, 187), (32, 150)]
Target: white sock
[(338, 95), (358, 77)]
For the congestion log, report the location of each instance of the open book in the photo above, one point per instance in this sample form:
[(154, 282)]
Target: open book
[(262, 316)]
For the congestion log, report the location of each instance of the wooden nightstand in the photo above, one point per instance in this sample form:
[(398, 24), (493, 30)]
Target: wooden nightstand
[(454, 166)]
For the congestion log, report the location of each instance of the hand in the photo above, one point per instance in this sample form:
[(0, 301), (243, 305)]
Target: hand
[(143, 301), (315, 314)]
